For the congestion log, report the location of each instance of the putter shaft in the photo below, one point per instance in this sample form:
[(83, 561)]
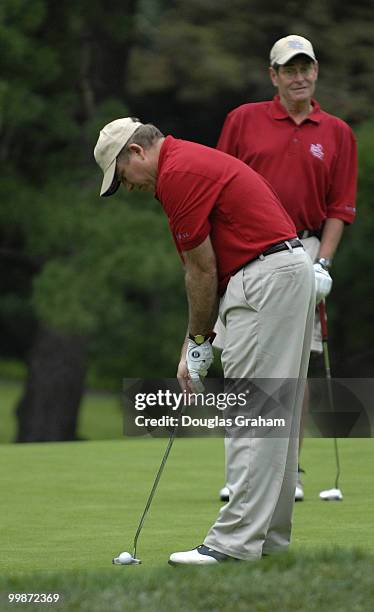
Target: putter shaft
[(326, 358), (156, 481)]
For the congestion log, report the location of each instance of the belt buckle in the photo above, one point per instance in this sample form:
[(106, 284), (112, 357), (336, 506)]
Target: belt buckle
[(288, 245)]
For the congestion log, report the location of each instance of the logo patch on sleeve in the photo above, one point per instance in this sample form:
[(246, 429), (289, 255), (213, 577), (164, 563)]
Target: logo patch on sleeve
[(183, 235)]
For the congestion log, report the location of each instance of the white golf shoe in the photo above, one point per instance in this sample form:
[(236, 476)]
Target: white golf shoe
[(299, 491), (202, 555), (331, 495), (224, 494)]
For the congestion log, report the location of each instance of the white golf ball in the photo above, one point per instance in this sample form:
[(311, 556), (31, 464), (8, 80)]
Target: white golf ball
[(125, 557)]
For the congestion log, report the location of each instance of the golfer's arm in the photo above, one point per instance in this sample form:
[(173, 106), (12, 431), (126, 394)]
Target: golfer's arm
[(201, 287), (331, 235)]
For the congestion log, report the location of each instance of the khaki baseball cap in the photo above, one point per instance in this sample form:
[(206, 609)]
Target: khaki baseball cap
[(286, 48), (111, 141)]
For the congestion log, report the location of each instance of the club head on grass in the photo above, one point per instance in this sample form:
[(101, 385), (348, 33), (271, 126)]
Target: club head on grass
[(125, 559), (331, 495)]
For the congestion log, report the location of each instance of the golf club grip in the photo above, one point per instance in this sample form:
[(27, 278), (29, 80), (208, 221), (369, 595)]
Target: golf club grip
[(323, 318)]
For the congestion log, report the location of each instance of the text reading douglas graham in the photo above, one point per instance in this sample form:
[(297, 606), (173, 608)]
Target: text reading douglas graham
[(221, 401), (207, 422)]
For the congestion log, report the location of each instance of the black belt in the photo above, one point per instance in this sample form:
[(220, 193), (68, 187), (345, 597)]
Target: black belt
[(293, 243), (306, 233), (281, 246)]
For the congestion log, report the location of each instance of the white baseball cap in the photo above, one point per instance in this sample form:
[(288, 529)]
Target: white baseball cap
[(286, 48), (111, 141)]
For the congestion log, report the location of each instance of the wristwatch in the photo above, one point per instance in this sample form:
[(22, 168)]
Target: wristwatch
[(325, 262), (200, 338)]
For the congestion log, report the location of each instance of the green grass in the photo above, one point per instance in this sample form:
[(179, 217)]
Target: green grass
[(100, 415), (66, 509), (334, 581), (12, 369)]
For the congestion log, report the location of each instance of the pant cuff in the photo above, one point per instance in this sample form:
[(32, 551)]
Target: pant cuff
[(233, 553)]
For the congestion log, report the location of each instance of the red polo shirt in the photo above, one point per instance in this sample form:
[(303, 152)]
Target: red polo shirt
[(204, 191), (311, 166)]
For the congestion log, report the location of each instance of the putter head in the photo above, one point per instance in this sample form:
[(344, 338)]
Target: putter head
[(331, 495), (125, 559)]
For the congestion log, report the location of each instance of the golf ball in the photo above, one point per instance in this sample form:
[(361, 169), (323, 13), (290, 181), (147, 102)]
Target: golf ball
[(125, 557)]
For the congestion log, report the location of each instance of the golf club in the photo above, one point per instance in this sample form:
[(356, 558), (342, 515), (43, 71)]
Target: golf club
[(334, 494), (125, 558)]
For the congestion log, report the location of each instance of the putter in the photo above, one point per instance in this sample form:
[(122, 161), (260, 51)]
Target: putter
[(334, 494), (125, 558)]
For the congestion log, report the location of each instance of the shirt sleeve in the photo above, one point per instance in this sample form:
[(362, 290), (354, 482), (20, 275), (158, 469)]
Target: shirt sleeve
[(188, 200), (341, 198)]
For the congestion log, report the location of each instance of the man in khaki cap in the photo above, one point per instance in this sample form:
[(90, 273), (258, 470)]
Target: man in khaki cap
[(288, 48), (308, 156), (112, 139), (241, 258)]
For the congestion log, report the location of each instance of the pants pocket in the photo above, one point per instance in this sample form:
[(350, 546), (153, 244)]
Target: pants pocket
[(283, 282), (252, 286)]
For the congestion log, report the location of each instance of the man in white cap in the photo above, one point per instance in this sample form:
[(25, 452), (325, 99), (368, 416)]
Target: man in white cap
[(308, 156), (241, 257)]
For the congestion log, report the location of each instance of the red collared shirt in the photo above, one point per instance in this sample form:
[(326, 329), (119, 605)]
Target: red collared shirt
[(206, 192), (311, 166)]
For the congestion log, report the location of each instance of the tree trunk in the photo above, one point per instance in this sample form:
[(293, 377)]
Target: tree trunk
[(48, 410)]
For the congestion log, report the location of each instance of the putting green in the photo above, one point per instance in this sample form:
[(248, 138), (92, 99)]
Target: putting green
[(72, 506)]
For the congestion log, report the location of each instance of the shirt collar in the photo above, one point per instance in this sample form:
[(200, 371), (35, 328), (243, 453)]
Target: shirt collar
[(278, 111)]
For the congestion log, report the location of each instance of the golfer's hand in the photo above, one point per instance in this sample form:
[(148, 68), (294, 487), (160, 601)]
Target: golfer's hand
[(199, 359), (323, 282), (183, 376)]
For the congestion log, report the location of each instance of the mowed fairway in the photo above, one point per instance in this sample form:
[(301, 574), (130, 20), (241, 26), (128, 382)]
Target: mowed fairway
[(67, 508)]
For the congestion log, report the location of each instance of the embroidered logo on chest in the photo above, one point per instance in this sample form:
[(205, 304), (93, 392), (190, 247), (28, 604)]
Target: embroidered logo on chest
[(317, 151)]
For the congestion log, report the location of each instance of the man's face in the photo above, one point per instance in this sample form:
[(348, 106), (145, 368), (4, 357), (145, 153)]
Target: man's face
[(295, 80), (137, 170)]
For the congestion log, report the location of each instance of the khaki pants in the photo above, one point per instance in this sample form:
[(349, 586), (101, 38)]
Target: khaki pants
[(267, 312), (311, 246)]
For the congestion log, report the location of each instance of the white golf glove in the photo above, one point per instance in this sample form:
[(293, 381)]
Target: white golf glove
[(199, 359), (323, 282)]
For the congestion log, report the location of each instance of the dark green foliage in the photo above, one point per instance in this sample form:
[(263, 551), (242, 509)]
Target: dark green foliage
[(353, 304), (108, 269), (104, 269), (210, 56)]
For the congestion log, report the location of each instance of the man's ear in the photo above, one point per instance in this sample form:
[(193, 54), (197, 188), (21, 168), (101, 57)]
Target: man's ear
[(137, 149), (273, 76)]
